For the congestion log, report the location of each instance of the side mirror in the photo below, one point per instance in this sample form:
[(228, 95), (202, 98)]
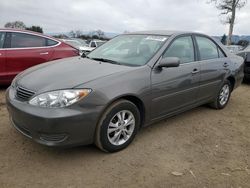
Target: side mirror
[(82, 54), (169, 62)]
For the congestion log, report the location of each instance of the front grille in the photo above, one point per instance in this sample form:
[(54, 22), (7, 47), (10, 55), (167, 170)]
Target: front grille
[(23, 93)]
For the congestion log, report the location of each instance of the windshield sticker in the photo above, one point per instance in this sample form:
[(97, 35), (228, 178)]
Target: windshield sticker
[(157, 38)]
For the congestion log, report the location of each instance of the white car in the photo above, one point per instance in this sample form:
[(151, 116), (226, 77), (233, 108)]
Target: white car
[(92, 45), (76, 44)]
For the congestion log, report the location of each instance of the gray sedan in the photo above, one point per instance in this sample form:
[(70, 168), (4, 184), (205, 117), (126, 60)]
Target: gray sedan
[(127, 83)]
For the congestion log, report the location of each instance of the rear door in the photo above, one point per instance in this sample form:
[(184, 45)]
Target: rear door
[(2, 56), (24, 50), (174, 89), (214, 66)]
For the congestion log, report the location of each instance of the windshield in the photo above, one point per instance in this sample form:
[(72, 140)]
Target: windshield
[(99, 43), (134, 50)]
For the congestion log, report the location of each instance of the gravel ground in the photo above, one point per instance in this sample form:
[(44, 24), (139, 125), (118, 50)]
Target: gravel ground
[(199, 148)]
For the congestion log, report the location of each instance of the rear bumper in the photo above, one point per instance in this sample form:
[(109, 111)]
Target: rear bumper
[(53, 127)]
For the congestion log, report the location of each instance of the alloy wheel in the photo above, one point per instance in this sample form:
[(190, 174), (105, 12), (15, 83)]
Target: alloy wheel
[(121, 127), (224, 94)]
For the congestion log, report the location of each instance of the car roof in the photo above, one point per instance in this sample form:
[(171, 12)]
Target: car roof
[(27, 31), (162, 32)]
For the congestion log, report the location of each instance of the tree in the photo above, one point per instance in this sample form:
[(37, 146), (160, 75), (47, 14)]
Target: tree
[(100, 33), (95, 37), (78, 33), (15, 24), (243, 43), (224, 39), (228, 8), (35, 28), (72, 34), (61, 36)]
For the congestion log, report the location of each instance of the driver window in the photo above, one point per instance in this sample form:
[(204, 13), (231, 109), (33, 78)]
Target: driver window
[(182, 48)]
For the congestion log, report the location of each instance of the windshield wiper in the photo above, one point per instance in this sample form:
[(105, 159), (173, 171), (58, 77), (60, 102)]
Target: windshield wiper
[(105, 60)]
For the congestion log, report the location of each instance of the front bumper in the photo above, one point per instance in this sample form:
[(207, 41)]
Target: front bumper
[(74, 125)]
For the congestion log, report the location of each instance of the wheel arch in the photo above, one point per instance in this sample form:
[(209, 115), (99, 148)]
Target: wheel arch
[(132, 98), (231, 79)]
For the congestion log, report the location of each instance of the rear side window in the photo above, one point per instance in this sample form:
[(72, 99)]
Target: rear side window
[(182, 48), (51, 42), (207, 48), (2, 37), (23, 40)]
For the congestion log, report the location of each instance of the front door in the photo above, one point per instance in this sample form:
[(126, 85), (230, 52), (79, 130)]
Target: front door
[(175, 88)]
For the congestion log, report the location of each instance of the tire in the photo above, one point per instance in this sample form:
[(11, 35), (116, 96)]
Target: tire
[(121, 132), (219, 103)]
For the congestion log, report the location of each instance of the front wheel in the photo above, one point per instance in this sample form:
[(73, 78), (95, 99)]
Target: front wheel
[(118, 126), (223, 96)]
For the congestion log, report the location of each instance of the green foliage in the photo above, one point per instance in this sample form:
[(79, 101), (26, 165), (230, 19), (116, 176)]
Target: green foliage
[(21, 25), (15, 25), (35, 28)]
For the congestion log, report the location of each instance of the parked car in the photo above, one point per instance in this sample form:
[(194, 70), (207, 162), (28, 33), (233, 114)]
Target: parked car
[(127, 83), (76, 44), (92, 45), (20, 49), (83, 42), (246, 55), (234, 48)]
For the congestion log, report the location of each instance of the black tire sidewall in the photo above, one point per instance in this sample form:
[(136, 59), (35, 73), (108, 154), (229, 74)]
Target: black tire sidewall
[(218, 97), (123, 105)]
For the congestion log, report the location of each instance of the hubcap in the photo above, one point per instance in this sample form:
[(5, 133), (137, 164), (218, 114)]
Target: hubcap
[(121, 127), (224, 95)]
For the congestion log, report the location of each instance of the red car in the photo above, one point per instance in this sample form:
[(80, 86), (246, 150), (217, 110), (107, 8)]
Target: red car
[(20, 49)]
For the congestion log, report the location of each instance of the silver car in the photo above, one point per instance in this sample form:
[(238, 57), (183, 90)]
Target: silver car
[(127, 83)]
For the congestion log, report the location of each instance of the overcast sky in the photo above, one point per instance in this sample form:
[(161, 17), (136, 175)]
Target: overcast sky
[(120, 15)]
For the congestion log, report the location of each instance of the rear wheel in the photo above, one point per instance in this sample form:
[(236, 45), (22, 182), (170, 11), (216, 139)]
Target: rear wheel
[(118, 126), (223, 96)]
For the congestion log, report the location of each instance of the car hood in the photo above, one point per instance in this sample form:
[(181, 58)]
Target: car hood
[(66, 73)]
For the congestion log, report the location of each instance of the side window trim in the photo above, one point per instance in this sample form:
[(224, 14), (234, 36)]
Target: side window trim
[(180, 36), (196, 50), (220, 50), (8, 36)]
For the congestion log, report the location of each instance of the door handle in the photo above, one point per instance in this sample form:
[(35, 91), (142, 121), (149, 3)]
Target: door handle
[(195, 71), (44, 53), (225, 64)]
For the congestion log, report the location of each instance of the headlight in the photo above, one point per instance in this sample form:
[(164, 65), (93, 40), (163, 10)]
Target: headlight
[(60, 98)]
